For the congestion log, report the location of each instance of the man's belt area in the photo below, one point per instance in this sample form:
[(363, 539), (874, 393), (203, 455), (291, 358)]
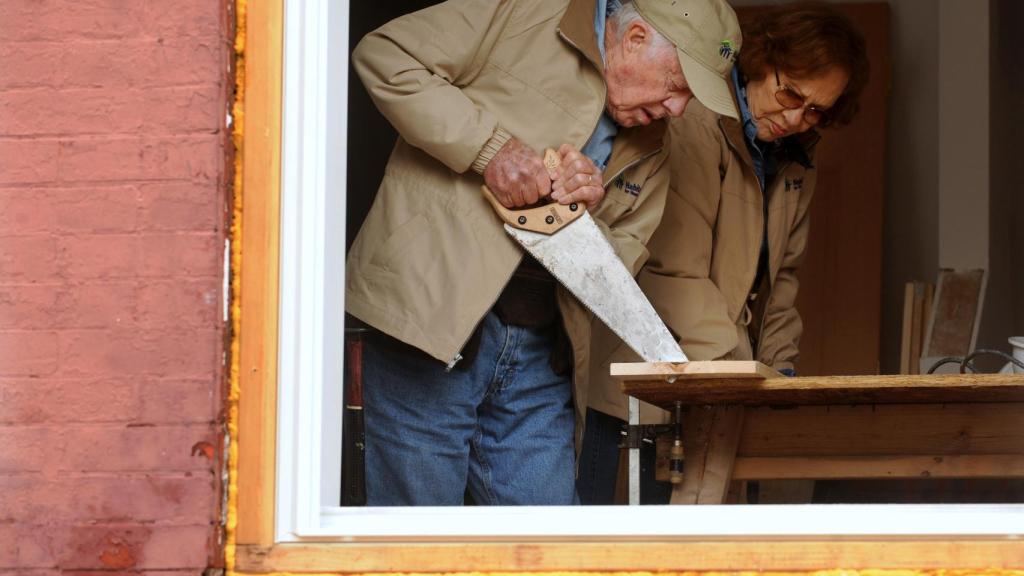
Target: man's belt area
[(528, 299)]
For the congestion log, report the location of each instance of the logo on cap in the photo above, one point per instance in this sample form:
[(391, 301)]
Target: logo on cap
[(727, 51)]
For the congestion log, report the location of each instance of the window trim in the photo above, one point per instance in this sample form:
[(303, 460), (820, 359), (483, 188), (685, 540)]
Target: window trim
[(259, 546)]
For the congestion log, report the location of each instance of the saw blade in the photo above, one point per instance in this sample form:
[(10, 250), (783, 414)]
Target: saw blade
[(581, 259)]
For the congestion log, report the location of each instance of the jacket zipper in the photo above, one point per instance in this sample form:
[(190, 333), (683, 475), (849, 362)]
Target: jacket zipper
[(764, 220), (763, 214), (458, 355), (632, 163)]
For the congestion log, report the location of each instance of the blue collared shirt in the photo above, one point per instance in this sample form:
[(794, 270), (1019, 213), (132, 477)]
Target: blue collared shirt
[(599, 147), (759, 151), (762, 155)]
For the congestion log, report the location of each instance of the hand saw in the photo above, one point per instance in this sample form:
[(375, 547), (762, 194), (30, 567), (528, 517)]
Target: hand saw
[(566, 241)]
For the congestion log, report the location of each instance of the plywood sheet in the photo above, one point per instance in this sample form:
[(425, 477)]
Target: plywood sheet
[(955, 314)]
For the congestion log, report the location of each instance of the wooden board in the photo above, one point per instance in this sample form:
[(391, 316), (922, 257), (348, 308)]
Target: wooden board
[(917, 309), (861, 467), (883, 430), (635, 556), (258, 274), (710, 440), (957, 309), (717, 370), (649, 383)]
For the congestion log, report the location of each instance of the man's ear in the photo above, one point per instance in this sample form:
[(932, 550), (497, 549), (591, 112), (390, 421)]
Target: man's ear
[(635, 40)]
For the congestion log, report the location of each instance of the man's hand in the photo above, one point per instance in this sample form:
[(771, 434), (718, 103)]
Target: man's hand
[(576, 179), (516, 175)]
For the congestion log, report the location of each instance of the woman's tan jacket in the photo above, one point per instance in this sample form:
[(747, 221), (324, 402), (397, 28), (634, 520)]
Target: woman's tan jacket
[(704, 254)]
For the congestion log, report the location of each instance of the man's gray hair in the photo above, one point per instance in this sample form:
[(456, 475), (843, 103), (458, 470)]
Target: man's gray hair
[(625, 15)]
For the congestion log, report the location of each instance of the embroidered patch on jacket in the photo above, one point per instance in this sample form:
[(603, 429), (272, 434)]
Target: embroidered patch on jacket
[(631, 188)]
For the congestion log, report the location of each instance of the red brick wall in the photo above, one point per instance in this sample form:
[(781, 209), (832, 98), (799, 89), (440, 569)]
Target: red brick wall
[(113, 171)]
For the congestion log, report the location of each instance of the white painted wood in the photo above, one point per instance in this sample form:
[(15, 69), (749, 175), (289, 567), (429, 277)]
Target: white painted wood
[(645, 522), (311, 346), (634, 455), (310, 368)]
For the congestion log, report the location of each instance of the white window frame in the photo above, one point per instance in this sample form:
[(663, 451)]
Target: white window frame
[(312, 271)]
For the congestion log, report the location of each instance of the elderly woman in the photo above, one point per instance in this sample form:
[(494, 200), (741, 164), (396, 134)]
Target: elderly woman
[(723, 262)]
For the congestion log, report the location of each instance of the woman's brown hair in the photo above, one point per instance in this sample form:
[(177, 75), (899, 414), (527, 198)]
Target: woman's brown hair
[(803, 40)]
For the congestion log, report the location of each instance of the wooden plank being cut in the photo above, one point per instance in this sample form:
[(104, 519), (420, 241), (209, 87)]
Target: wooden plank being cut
[(698, 370)]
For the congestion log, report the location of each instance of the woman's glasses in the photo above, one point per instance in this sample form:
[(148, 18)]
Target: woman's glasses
[(790, 100)]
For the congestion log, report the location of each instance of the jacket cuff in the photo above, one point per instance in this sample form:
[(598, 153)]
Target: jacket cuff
[(491, 147)]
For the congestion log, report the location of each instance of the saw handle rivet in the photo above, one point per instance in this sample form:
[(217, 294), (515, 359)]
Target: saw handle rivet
[(522, 219), (550, 219), (574, 206)]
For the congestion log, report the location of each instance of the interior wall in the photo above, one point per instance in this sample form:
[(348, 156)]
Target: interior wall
[(911, 238), (1004, 308), (963, 95)]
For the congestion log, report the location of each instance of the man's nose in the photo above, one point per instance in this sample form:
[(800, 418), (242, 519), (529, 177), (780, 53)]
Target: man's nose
[(676, 105)]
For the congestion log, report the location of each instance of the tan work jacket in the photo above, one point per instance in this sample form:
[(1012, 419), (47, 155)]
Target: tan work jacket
[(457, 80), (705, 252)]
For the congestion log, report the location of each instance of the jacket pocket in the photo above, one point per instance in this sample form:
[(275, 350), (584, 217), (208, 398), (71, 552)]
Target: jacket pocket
[(399, 242)]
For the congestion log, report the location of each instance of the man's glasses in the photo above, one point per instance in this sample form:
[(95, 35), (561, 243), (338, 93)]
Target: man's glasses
[(790, 100)]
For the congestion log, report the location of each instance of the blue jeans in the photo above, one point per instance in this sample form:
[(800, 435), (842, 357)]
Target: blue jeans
[(500, 426), (599, 463)]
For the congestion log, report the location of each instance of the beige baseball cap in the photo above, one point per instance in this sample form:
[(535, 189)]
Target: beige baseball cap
[(707, 38)]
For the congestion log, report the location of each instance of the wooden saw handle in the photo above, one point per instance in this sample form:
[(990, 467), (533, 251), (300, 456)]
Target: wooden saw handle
[(545, 219)]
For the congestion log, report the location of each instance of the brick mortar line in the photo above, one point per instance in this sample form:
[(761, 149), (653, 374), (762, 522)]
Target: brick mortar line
[(71, 40), (86, 424), (99, 475), (77, 283), (83, 183), (117, 88), (75, 184), (111, 426), (116, 41), (70, 86), (119, 136), (62, 137), (125, 278), (138, 232)]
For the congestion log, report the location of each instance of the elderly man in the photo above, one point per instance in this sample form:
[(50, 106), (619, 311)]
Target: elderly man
[(469, 383)]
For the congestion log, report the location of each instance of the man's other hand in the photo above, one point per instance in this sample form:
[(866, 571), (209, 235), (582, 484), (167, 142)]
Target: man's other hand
[(516, 175), (577, 179)]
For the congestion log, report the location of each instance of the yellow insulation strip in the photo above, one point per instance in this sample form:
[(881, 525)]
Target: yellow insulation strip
[(717, 573), (238, 131), (237, 136)]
